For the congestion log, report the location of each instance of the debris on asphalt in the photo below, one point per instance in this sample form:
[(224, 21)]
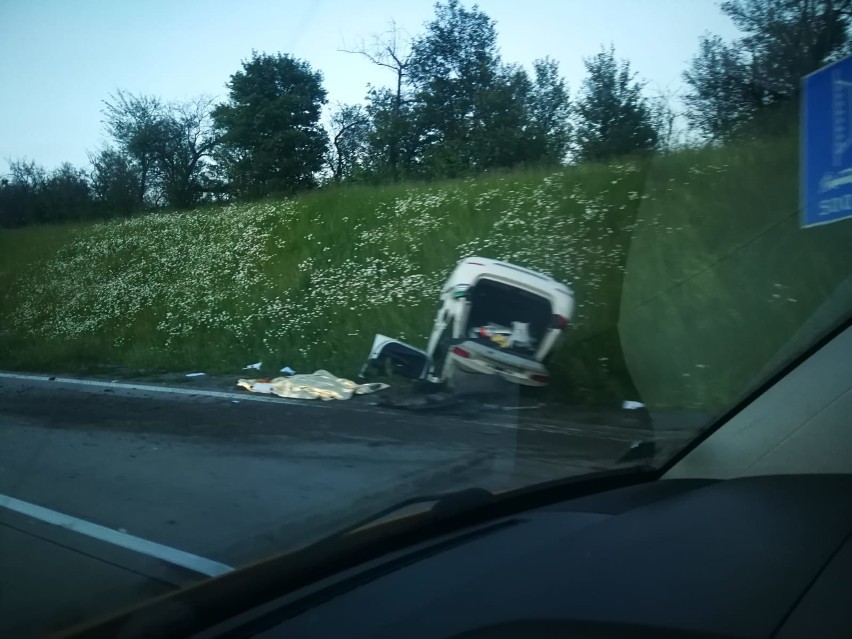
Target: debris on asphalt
[(288, 371), (509, 408), (196, 374), (253, 366), (433, 401), (631, 405), (319, 385), (638, 450)]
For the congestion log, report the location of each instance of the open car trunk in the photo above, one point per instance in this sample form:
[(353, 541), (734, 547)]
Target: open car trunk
[(497, 308)]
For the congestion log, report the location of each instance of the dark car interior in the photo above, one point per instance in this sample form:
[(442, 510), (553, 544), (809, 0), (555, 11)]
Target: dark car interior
[(493, 302)]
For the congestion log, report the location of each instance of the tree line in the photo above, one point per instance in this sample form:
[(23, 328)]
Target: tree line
[(452, 107)]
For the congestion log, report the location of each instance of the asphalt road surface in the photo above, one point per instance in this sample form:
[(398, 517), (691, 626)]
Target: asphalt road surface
[(111, 493)]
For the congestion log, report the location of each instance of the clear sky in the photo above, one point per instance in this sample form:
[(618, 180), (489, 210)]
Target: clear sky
[(60, 58)]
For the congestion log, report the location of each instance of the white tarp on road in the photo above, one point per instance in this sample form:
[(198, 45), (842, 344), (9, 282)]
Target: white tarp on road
[(319, 385)]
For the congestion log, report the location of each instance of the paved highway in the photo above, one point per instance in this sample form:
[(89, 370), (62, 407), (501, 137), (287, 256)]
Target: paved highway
[(110, 493)]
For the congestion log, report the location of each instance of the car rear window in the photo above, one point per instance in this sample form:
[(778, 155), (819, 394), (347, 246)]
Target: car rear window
[(499, 303)]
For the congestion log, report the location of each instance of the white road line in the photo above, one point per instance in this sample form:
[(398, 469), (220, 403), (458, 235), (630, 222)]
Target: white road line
[(150, 388), (170, 390), (137, 544), (244, 396)]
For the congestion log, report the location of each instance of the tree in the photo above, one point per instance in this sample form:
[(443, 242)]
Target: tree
[(271, 139), (67, 195), (392, 51), (19, 198), (549, 112), (666, 119), (27, 174), (349, 128), (730, 85), (115, 182), (454, 67), (506, 137), (186, 138), (166, 144), (613, 118), (455, 108), (787, 39), (394, 139), (134, 122), (31, 195), (722, 95)]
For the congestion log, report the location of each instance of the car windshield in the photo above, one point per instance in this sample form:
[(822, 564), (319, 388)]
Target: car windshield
[(268, 267)]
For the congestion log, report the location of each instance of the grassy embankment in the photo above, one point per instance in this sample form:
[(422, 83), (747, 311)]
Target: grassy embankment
[(308, 282)]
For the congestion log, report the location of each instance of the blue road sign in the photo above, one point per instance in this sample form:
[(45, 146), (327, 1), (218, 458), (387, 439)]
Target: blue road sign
[(826, 167)]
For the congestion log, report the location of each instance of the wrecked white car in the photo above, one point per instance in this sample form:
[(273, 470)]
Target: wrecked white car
[(494, 318)]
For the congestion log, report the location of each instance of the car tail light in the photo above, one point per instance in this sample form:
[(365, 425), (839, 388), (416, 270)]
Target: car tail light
[(559, 322), (541, 379), (458, 350)]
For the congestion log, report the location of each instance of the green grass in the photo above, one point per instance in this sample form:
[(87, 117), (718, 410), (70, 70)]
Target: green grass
[(704, 235), (708, 306)]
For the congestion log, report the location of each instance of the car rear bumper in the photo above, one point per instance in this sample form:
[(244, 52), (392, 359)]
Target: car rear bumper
[(512, 368)]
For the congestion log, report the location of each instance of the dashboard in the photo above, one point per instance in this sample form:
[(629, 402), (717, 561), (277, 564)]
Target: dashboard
[(765, 556)]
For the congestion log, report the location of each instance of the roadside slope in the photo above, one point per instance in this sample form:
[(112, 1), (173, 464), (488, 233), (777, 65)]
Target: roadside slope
[(306, 282)]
